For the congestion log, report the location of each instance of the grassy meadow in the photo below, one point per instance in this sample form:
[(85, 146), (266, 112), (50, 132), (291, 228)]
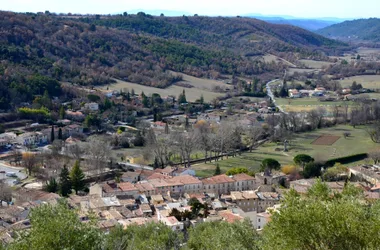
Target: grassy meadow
[(368, 81), (200, 87), (358, 142), (315, 64)]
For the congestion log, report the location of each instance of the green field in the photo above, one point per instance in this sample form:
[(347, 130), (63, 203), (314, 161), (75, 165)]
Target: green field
[(358, 142), (368, 81), (200, 87)]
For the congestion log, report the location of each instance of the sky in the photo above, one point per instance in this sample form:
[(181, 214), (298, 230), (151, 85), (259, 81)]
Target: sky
[(297, 8)]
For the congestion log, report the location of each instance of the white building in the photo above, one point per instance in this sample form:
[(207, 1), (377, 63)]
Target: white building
[(173, 223), (32, 138), (92, 106)]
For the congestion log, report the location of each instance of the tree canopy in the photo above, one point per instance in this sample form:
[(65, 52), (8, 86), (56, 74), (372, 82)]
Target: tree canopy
[(270, 164), (324, 220), (56, 226)]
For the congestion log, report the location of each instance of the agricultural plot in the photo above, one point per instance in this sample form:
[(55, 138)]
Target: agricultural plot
[(326, 140)]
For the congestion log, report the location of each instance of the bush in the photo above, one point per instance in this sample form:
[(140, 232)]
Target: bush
[(346, 159), (288, 169)]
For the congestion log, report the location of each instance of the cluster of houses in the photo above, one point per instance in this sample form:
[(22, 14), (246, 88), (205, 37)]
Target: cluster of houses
[(145, 196), (42, 137), (151, 196), (317, 92)]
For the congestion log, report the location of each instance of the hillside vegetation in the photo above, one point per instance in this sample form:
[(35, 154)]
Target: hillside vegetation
[(361, 29), (140, 49)]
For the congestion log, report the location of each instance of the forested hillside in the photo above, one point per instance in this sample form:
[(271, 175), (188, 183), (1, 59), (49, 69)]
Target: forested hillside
[(362, 29), (139, 48)]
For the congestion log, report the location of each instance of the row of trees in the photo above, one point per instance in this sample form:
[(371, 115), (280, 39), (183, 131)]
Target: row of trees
[(321, 219), (221, 141)]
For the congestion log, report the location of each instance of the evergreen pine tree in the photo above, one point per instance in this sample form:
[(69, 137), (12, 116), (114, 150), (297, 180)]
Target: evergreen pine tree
[(202, 100), (107, 104), (64, 182), (156, 164), (77, 178), (182, 98), (217, 170), (187, 125), (52, 135), (51, 186), (60, 136), (62, 113)]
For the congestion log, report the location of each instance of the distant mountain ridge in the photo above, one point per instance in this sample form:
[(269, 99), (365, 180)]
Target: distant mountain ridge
[(311, 24), (360, 29)]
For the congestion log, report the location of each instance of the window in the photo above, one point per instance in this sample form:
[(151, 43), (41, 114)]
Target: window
[(258, 227), (259, 220)]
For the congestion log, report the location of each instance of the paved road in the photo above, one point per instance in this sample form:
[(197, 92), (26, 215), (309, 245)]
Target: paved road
[(6, 168), (270, 94)]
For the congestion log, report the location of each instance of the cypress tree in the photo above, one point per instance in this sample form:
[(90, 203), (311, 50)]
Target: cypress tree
[(52, 134), (64, 182), (217, 170), (60, 136), (77, 178), (62, 113)]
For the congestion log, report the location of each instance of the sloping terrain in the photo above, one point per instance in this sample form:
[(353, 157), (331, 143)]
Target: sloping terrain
[(361, 29), (38, 50)]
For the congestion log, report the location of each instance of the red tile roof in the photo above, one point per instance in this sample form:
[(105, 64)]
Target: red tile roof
[(126, 186), (186, 179), (218, 179), (230, 217), (243, 177)]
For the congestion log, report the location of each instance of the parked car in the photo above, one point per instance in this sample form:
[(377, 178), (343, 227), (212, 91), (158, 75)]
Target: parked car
[(11, 174)]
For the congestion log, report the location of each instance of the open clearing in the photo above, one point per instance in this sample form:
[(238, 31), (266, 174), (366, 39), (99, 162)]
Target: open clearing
[(368, 51), (307, 104), (200, 87), (315, 64), (368, 81), (326, 140), (269, 58), (357, 142)]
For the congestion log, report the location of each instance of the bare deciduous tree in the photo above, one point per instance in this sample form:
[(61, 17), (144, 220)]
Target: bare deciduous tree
[(202, 133), (375, 156), (5, 192), (29, 161), (316, 117), (157, 147), (185, 144), (253, 134), (99, 152), (75, 151)]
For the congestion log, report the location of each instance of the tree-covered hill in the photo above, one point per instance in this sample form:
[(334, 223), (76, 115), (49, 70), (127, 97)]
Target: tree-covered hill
[(361, 29), (140, 48)]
